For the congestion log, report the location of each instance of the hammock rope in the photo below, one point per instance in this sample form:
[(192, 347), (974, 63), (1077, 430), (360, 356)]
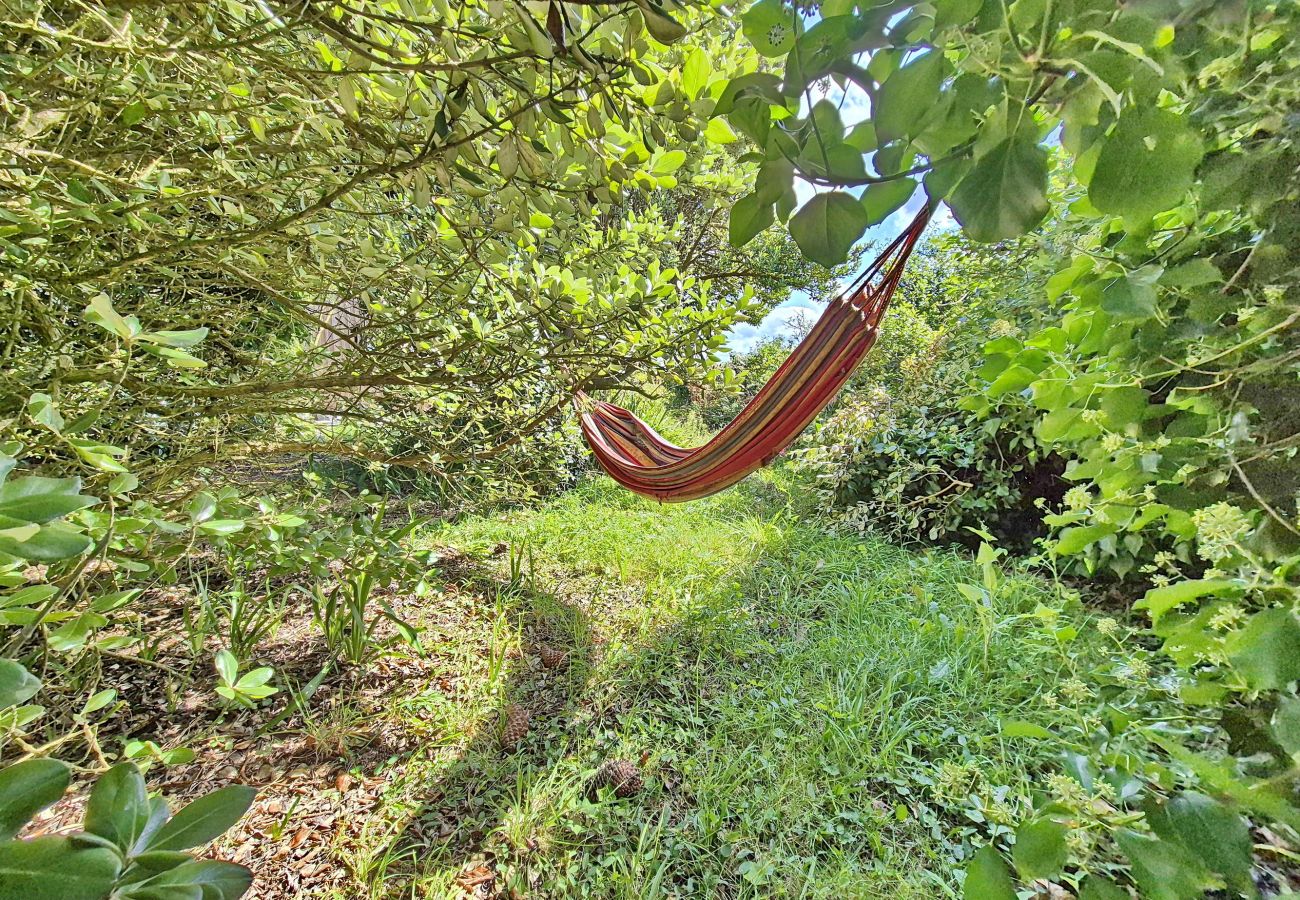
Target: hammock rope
[(636, 457)]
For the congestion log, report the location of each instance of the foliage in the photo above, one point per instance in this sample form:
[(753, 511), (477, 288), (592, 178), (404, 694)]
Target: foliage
[(1162, 363), (132, 845), (908, 463)]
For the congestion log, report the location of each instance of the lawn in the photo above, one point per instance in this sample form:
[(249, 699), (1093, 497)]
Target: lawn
[(814, 715)]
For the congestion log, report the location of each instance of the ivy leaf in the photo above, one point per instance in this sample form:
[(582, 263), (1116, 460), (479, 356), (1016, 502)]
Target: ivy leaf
[(1163, 871), (1208, 829), (749, 216), (1040, 850), (1267, 651), (771, 26), (1005, 193), (1160, 600), (1147, 164), (26, 788), (882, 200), (987, 878)]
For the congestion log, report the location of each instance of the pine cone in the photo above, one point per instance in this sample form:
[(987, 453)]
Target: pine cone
[(622, 774), (516, 726), (551, 657)]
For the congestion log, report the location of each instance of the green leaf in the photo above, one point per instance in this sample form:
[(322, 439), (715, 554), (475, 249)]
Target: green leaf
[(1267, 651), (222, 526), (16, 683), (1160, 600), (882, 200), (668, 163), (1095, 887), (118, 809), (1132, 296), (227, 666), (1073, 540), (1147, 164), (26, 788), (771, 26), (987, 878), (540, 220), (1210, 831), (1286, 723), (906, 100), (176, 338), (100, 311), (56, 868), (1018, 728), (828, 226), (1163, 871), (205, 819), (1005, 192), (53, 542), (695, 73), (719, 132), (37, 499), (749, 216), (662, 27), (1040, 850), (218, 880)]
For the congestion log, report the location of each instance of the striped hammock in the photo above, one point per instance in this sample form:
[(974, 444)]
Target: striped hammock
[(642, 461)]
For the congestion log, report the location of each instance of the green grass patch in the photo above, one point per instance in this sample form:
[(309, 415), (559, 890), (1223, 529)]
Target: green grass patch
[(816, 715)]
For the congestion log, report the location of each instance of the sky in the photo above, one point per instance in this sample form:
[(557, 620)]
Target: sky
[(854, 107)]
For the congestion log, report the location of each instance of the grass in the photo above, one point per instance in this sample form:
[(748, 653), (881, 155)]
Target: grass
[(816, 715)]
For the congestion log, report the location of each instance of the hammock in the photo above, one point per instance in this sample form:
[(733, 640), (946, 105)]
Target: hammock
[(642, 461)]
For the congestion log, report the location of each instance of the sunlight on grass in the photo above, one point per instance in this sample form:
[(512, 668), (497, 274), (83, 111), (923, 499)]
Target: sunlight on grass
[(816, 715)]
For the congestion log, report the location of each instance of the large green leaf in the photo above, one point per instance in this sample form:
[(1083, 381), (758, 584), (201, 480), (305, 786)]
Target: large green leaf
[(987, 878), (908, 97), (1267, 651), (1208, 829), (882, 200), (828, 226), (1147, 164), (771, 27), (1040, 850), (205, 819), (118, 809), (218, 880), (37, 499), (26, 788), (53, 542), (1164, 871), (1005, 192), (749, 216), (56, 868)]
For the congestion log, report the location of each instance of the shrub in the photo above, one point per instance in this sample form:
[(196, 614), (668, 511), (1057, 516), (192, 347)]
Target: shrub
[(913, 465)]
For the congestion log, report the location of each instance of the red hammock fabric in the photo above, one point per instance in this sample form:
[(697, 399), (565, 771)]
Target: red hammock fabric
[(642, 461)]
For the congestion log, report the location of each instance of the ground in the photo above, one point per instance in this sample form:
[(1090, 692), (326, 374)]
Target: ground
[(813, 715)]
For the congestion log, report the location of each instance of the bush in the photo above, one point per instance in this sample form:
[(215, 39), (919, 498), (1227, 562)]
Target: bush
[(912, 464)]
